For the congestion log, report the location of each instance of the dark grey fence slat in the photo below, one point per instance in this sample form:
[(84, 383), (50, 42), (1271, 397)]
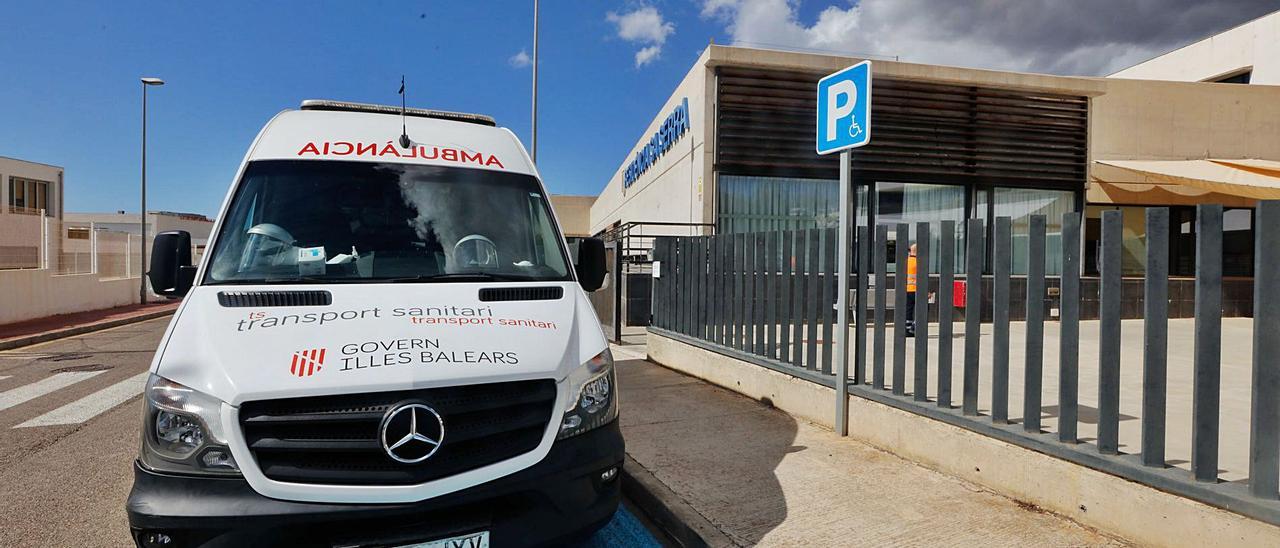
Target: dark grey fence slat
[(814, 310), (700, 279), (717, 289), (1109, 334), (1155, 337), (972, 314), (882, 279), (920, 390), (1208, 343), (751, 276), (740, 291), (726, 290), (1264, 426), (1069, 331), (801, 298), (771, 293), (900, 309), (707, 288), (682, 290), (788, 308), (1034, 351), (860, 304), (946, 284), (828, 298), (660, 285), (757, 319), (1002, 263)]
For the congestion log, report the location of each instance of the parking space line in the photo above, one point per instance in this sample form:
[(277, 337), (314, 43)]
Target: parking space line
[(27, 392), (92, 405)]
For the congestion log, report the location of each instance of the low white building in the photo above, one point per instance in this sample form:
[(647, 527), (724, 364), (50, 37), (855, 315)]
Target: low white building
[(1246, 54)]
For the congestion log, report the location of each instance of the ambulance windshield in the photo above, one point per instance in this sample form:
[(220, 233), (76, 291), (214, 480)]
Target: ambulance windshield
[(334, 222)]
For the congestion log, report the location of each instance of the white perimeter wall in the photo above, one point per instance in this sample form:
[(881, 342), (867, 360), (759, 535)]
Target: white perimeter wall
[(676, 187), (31, 294)]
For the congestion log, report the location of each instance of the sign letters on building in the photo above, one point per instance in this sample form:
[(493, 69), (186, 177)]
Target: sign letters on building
[(676, 124)]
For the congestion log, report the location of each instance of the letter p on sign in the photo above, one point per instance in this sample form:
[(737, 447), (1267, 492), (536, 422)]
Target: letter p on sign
[(844, 109)]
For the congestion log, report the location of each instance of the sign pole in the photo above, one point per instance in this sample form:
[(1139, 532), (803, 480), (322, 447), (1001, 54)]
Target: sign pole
[(842, 302)]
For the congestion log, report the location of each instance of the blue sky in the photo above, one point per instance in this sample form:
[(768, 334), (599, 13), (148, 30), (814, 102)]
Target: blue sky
[(72, 95)]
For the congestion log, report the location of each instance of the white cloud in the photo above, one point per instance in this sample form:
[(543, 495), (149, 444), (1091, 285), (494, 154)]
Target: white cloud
[(1064, 37), (520, 60), (647, 55), (644, 26)]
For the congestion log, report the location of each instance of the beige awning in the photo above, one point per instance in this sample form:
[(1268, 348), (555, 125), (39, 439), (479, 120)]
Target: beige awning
[(1254, 179)]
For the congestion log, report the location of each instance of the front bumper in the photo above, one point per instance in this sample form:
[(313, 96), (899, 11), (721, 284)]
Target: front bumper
[(561, 497)]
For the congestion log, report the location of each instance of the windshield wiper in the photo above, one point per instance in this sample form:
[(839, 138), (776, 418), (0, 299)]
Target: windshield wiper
[(454, 277)]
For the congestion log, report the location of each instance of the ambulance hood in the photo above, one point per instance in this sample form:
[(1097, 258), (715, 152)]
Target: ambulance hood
[(374, 337)]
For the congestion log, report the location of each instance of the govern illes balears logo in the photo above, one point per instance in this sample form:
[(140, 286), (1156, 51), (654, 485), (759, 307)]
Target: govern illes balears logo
[(306, 363)]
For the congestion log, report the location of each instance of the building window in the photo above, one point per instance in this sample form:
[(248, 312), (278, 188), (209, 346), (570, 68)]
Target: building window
[(913, 203), (1237, 240), (1019, 204), (77, 233), (28, 196), (762, 204), (1238, 78)]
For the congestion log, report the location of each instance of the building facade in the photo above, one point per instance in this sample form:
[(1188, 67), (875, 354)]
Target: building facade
[(951, 144)]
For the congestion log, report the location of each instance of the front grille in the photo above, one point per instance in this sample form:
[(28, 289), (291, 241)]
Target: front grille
[(547, 293), (334, 439), (259, 299)]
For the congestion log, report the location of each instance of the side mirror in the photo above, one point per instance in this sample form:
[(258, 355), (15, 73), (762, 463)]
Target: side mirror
[(171, 273), (589, 262)]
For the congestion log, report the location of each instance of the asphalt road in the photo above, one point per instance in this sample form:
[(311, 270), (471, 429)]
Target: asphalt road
[(69, 412)]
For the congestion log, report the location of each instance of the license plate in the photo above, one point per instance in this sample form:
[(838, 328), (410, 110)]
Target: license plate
[(473, 540)]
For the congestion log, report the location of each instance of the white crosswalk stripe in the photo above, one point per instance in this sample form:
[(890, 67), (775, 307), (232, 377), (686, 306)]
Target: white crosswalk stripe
[(92, 405), (28, 392)]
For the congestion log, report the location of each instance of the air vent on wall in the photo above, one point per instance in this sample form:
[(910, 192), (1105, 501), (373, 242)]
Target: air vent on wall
[(237, 299), (550, 293)]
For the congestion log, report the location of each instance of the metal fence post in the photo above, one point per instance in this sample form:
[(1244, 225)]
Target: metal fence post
[(921, 381), (900, 309), (1034, 367), (882, 279), (1208, 343), (860, 303), (1109, 334), (1002, 263), (788, 316), (972, 314), (1264, 426), (946, 283), (1155, 337), (1069, 331)]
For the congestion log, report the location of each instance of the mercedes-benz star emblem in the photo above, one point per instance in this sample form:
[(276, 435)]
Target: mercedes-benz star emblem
[(411, 432)]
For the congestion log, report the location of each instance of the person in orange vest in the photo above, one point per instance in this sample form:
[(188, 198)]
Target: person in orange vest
[(911, 291)]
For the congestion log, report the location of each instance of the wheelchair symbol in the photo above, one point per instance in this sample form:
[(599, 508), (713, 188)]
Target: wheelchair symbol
[(855, 130)]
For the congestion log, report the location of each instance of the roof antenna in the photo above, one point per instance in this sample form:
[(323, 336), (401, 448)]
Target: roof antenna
[(404, 131)]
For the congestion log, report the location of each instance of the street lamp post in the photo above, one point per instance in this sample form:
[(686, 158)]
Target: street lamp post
[(142, 219), (534, 145)]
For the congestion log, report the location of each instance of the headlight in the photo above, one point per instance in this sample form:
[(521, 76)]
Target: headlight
[(182, 431), (594, 401)]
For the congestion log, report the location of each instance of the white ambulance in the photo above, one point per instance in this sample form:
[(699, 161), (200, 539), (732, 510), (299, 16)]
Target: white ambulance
[(387, 343)]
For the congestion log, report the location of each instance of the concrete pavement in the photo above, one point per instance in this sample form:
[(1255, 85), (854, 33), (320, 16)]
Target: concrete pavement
[(762, 477)]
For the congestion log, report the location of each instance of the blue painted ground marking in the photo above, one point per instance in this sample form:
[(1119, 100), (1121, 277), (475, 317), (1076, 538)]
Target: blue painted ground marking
[(623, 530)]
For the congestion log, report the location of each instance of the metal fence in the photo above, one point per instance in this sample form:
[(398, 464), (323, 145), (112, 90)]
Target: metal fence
[(767, 298)]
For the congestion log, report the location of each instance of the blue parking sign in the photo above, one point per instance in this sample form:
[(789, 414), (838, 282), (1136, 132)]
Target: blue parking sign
[(844, 109)]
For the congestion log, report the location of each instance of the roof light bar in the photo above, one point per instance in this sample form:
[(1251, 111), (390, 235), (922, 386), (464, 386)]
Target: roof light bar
[(347, 106)]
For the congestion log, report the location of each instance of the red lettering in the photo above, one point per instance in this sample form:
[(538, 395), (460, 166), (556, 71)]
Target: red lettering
[(477, 157), (435, 153), (493, 161), (449, 154), (371, 149), (349, 146), (389, 149), (413, 153), (310, 147)]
